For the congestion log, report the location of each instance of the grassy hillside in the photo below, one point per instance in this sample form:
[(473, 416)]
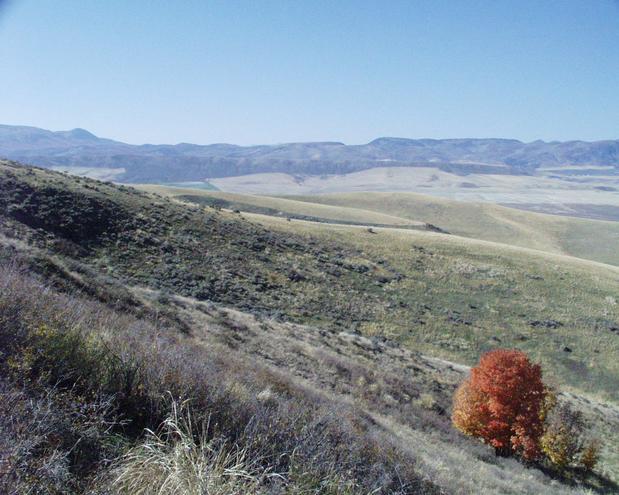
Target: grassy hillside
[(442, 294), (291, 409), (445, 296), (282, 207), (589, 239), (459, 297)]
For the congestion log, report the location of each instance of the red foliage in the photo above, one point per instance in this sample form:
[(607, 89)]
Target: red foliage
[(501, 403)]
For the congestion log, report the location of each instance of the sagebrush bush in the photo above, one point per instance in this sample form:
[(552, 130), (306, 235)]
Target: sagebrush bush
[(52, 441), (590, 455), (562, 440)]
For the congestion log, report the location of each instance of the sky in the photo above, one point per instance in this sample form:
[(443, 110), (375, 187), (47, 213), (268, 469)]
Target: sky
[(258, 72)]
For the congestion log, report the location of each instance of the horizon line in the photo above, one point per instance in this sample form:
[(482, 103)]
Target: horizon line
[(333, 142)]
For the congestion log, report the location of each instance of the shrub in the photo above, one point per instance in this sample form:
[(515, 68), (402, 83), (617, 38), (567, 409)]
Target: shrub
[(549, 403), (590, 455), (467, 409), (51, 441), (566, 440), (563, 436), (502, 403)]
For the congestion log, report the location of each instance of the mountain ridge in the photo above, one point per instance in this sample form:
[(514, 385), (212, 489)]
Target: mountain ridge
[(185, 161)]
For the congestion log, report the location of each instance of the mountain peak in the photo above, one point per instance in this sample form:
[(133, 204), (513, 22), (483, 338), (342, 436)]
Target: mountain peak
[(79, 133), (390, 140)]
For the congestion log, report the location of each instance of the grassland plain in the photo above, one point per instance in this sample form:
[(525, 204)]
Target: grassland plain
[(443, 295), (549, 189)]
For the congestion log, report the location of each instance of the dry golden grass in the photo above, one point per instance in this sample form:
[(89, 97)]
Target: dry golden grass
[(288, 206), (589, 239), (179, 458)]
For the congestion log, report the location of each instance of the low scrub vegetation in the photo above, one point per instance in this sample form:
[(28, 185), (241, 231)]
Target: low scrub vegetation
[(94, 403), (441, 295)]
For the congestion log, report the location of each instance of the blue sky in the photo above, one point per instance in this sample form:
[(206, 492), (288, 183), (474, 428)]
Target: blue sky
[(279, 71)]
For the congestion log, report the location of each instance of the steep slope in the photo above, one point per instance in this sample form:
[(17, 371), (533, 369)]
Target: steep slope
[(360, 414), (589, 239)]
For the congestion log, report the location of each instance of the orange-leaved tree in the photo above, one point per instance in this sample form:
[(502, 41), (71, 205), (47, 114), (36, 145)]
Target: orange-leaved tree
[(501, 403)]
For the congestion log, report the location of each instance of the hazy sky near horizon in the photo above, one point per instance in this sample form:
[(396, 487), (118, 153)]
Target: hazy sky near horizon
[(251, 72)]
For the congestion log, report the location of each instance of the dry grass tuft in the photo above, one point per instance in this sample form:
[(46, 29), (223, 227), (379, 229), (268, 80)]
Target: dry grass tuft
[(180, 458)]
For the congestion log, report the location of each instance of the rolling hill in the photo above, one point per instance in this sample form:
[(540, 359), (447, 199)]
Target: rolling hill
[(375, 326), (588, 239), (268, 205), (583, 238)]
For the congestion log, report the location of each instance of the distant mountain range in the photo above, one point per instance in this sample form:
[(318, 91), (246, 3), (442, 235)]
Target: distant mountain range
[(78, 149)]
